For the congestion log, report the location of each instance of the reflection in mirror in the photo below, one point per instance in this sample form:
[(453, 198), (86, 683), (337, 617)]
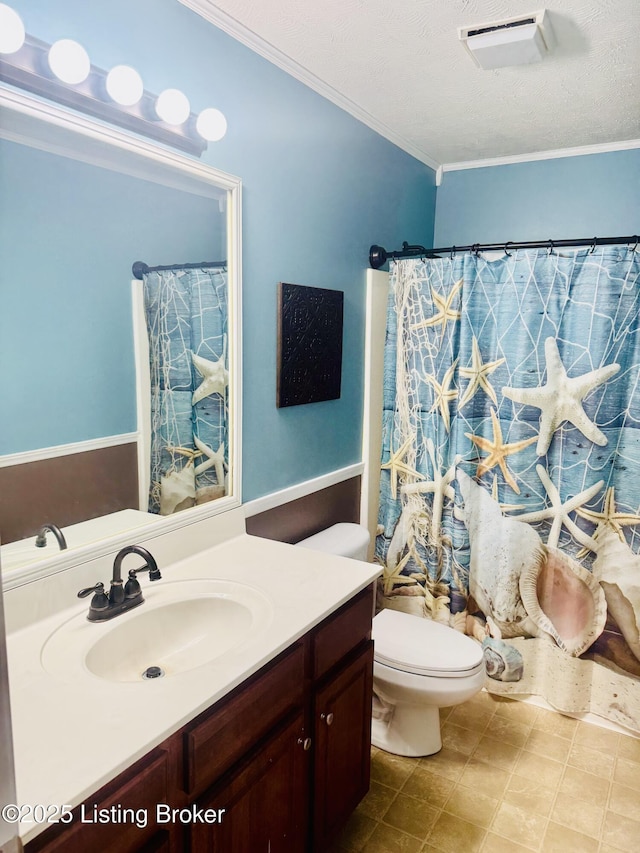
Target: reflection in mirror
[(186, 324), (85, 416)]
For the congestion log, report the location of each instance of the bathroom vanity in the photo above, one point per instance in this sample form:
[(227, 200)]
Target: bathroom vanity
[(277, 765), (266, 747)]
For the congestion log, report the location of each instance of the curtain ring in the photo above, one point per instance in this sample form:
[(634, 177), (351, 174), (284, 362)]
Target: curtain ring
[(452, 253), (593, 246), (475, 249), (506, 251), (635, 245), (550, 249)]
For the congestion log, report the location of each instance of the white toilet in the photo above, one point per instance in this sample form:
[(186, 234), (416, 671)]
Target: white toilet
[(419, 665)]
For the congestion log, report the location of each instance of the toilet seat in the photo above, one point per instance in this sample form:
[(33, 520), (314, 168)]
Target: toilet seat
[(424, 647)]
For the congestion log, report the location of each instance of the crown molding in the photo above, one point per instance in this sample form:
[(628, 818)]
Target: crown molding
[(263, 48), (207, 10), (554, 154)]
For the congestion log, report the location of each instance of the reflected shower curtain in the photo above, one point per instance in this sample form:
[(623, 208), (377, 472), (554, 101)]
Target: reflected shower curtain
[(510, 482), (186, 316)]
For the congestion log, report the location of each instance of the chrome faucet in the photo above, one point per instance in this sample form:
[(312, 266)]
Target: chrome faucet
[(120, 598), (41, 536)]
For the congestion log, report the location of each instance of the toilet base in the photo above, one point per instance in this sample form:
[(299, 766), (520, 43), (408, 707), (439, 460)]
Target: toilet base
[(412, 730)]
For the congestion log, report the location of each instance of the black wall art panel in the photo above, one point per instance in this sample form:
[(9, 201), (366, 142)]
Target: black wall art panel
[(309, 344)]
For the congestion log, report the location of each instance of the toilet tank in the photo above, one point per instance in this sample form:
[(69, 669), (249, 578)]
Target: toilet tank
[(344, 539)]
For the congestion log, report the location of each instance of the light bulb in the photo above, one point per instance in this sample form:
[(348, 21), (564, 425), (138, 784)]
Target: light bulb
[(173, 106), (11, 30), (211, 124), (69, 61), (124, 85)]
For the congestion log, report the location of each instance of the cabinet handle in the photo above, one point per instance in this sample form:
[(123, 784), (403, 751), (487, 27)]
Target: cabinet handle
[(328, 718), (305, 744)]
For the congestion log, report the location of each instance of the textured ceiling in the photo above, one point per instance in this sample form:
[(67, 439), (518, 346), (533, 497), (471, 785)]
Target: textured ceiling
[(398, 65)]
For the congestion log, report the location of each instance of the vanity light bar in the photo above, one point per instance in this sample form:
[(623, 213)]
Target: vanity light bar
[(29, 68)]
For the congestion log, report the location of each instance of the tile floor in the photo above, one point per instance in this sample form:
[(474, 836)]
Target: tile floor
[(510, 778)]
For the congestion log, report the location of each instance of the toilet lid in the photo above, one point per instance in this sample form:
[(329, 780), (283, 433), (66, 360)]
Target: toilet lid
[(422, 646)]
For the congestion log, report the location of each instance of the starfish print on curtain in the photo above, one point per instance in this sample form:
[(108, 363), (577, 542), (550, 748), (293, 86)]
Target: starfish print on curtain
[(397, 467), (559, 511), (445, 313), (478, 373), (439, 486), (561, 398), (610, 517), (215, 377), (443, 394), (498, 451)]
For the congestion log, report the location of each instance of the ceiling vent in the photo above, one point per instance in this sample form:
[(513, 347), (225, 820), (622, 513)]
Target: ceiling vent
[(513, 41)]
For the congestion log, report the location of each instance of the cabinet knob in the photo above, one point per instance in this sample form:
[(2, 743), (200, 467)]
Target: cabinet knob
[(328, 718), (305, 743)]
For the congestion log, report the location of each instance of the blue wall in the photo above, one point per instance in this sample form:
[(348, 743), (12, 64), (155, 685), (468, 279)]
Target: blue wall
[(318, 188), (570, 197)]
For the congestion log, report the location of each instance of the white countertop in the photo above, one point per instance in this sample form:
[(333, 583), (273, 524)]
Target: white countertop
[(74, 733)]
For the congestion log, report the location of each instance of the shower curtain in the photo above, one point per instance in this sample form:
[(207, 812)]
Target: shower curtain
[(186, 317), (510, 482)]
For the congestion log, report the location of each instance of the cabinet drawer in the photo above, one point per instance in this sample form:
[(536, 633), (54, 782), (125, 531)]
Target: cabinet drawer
[(217, 739), (342, 632), (112, 821)]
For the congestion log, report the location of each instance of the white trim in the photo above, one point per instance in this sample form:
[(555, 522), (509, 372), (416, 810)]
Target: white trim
[(41, 453), (555, 154), (53, 128), (301, 490), (258, 45), (234, 325), (143, 392), (375, 325)]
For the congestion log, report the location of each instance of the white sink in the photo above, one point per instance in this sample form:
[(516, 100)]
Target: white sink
[(180, 626)]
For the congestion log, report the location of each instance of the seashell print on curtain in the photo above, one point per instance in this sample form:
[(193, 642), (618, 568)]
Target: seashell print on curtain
[(510, 481), (186, 314)]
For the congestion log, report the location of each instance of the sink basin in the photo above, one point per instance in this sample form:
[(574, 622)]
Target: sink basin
[(180, 626)]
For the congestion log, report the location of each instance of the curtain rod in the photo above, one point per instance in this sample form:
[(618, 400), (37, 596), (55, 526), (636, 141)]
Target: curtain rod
[(378, 256), (139, 268)]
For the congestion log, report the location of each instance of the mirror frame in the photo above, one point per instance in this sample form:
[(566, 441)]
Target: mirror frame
[(42, 124)]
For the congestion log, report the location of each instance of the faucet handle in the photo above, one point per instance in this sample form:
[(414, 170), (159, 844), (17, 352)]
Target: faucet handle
[(100, 600), (150, 566), (98, 589)]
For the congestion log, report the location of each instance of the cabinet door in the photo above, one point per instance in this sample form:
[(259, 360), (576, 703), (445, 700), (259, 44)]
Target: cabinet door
[(342, 721), (265, 800), (121, 817)]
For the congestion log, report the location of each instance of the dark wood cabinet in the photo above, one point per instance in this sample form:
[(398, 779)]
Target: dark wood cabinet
[(277, 766), (122, 816), (342, 746), (266, 800)]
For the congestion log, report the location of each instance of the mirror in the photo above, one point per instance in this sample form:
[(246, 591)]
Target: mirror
[(82, 201)]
